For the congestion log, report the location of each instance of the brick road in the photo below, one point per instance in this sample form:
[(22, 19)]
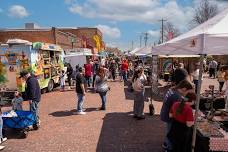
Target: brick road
[(113, 130)]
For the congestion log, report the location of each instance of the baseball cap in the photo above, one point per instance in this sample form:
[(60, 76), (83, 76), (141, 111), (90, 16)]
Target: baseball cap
[(23, 73)]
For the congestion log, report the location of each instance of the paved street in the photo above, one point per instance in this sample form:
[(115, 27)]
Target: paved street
[(113, 130)]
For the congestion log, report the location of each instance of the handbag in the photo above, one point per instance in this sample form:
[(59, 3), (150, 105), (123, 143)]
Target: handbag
[(137, 85), (103, 88)]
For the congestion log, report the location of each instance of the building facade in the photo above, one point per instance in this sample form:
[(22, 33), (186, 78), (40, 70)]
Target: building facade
[(67, 38)]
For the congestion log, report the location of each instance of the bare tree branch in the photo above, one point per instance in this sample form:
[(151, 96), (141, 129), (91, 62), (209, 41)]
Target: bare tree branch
[(203, 12)]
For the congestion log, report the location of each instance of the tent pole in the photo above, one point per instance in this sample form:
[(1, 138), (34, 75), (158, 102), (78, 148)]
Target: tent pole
[(197, 103), (198, 95)]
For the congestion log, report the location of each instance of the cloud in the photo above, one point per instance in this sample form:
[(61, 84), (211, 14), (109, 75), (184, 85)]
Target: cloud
[(120, 45), (18, 11), (154, 33), (146, 11), (68, 1), (1, 10), (111, 32)]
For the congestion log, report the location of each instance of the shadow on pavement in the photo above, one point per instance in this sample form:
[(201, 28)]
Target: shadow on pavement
[(62, 113), (69, 113), (91, 109), (122, 133)]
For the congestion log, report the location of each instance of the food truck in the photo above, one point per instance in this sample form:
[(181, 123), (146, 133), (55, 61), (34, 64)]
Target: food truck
[(43, 60)]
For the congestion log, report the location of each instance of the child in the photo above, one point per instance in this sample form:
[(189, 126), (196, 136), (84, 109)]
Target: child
[(17, 101), (2, 139), (62, 80)]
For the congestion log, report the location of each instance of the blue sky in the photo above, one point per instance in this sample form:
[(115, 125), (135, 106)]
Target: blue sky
[(121, 21)]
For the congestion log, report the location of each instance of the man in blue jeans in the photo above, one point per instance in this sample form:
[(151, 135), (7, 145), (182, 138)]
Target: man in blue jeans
[(80, 90), (33, 94)]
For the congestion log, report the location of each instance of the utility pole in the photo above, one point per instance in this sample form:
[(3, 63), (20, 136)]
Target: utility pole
[(140, 41), (162, 28), (132, 45), (146, 38)]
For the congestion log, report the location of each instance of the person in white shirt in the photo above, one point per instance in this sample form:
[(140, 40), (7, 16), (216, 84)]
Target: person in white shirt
[(103, 62), (195, 76), (139, 80)]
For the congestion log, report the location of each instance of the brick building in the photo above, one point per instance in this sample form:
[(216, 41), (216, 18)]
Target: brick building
[(86, 36), (67, 38)]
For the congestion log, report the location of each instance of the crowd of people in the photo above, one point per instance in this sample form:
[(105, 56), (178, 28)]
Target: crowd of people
[(177, 111), (93, 76)]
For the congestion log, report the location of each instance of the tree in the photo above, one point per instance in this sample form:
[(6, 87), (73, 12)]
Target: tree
[(204, 11), (170, 31)]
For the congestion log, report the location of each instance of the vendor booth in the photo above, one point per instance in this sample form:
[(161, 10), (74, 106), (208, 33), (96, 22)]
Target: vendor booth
[(209, 38)]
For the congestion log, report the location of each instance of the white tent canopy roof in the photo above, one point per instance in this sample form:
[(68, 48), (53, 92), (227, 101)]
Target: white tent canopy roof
[(210, 37), (143, 51), (133, 51)]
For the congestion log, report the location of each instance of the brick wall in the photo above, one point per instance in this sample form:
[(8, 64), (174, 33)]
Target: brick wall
[(62, 37), (53, 36), (32, 36), (64, 40), (85, 34)]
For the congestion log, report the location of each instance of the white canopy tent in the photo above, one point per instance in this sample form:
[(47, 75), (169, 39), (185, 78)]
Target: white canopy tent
[(133, 51), (210, 37), (144, 51), (140, 51)]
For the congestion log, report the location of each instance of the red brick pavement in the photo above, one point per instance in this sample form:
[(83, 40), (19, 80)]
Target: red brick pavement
[(113, 130)]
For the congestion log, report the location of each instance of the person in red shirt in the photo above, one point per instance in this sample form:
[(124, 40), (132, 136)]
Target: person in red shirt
[(183, 120), (124, 70), (88, 72)]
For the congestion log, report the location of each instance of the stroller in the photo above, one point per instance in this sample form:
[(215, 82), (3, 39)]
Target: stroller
[(20, 122)]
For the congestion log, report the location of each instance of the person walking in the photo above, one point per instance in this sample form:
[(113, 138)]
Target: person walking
[(112, 69), (69, 73), (32, 94), (80, 90), (138, 81), (96, 66), (212, 68), (221, 78), (88, 72), (173, 95), (62, 81), (102, 87), (195, 76), (124, 70)]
